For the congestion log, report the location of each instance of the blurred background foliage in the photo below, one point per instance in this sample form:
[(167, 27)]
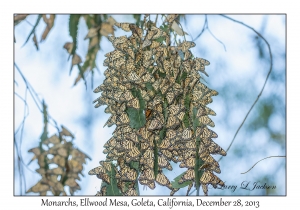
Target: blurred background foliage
[(239, 66)]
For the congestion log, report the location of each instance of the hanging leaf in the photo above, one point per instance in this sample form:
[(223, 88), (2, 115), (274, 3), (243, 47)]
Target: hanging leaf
[(19, 18), (33, 29), (92, 33), (111, 188), (177, 29), (35, 42), (50, 22), (73, 29)]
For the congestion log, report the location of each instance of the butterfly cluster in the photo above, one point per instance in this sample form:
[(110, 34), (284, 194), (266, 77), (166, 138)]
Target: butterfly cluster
[(159, 106), (60, 164)]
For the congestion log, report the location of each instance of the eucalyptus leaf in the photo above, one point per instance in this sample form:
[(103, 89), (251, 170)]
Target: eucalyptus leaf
[(73, 29), (33, 29), (112, 188)]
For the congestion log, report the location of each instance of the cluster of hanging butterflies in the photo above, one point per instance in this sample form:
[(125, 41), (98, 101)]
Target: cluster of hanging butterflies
[(156, 100), (60, 164)]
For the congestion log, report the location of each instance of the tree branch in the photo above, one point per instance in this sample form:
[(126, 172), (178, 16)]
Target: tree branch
[(270, 69), (259, 161)]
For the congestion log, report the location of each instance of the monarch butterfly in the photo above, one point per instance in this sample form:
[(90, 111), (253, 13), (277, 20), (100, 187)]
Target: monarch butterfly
[(133, 77), (187, 66), (165, 89), (207, 133), (111, 121), (163, 180), (131, 192), (155, 85), (147, 174), (171, 18), (106, 165), (155, 44), (143, 132), (134, 103), (189, 175), (186, 45), (167, 66), (155, 124), (167, 154), (150, 184), (133, 154), (170, 134), (174, 190), (102, 192), (148, 154), (117, 40), (114, 55), (216, 149), (190, 145), (127, 144), (209, 159), (148, 78), (105, 177), (166, 144), (205, 120), (150, 34), (188, 163), (148, 113), (127, 174), (39, 188), (59, 160), (209, 178), (97, 170), (181, 115), (136, 31), (170, 97), (164, 163), (187, 55), (124, 26), (146, 43), (133, 137), (172, 122), (146, 64), (187, 134), (148, 163)]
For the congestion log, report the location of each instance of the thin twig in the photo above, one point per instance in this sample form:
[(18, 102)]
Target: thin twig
[(35, 98), (156, 20), (182, 31), (25, 116), (259, 161), (217, 38), (205, 26), (271, 64), (203, 29)]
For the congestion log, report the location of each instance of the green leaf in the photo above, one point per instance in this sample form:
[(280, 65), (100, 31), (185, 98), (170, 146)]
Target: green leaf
[(81, 72), (160, 39), (149, 86), (112, 188), (175, 183), (136, 117), (33, 29), (196, 122), (137, 17), (186, 120), (73, 29), (44, 136)]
